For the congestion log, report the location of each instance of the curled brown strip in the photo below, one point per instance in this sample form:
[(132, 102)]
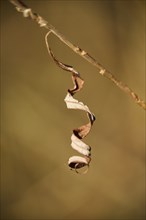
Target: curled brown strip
[(76, 162)]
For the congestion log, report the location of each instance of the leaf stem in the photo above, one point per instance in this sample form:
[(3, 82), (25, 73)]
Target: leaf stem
[(27, 12)]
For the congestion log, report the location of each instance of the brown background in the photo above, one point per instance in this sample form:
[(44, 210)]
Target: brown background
[(36, 125)]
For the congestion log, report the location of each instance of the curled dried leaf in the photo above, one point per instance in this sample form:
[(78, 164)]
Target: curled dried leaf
[(76, 162)]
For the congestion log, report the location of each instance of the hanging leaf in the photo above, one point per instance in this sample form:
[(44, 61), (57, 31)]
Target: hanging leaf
[(76, 162)]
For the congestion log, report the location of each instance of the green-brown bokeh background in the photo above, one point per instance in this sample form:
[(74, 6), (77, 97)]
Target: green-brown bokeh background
[(36, 125)]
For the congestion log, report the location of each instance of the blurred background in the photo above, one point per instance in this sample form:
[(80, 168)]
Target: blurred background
[(36, 126)]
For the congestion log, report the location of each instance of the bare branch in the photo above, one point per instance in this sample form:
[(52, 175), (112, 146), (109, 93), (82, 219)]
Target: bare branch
[(27, 12)]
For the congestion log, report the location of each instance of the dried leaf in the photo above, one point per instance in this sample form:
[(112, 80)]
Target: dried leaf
[(76, 162), (79, 133)]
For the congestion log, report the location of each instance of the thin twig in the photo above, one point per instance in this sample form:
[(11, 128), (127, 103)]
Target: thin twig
[(27, 12)]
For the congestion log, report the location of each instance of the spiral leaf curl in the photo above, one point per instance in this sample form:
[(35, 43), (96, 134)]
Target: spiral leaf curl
[(76, 162)]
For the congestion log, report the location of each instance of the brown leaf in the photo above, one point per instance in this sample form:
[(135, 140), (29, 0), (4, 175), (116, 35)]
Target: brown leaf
[(76, 162)]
